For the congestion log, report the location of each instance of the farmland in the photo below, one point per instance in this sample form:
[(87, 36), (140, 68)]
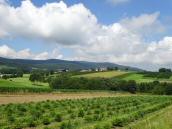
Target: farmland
[(107, 74), (22, 84), (97, 113), (140, 78), (158, 120), (97, 100), (58, 95)]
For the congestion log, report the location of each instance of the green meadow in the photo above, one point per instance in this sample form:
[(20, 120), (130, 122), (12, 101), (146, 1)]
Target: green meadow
[(22, 84)]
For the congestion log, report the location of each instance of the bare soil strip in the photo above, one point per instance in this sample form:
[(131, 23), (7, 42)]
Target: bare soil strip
[(25, 98)]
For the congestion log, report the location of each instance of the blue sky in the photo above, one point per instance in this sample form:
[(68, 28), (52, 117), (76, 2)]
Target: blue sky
[(142, 26), (107, 12)]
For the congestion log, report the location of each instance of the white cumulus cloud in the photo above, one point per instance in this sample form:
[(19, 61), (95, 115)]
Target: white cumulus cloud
[(54, 22), (115, 2), (75, 27), (6, 51)]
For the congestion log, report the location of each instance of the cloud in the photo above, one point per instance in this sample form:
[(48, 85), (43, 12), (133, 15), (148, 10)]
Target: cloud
[(115, 2), (3, 1), (6, 51), (144, 24), (53, 22), (76, 28)]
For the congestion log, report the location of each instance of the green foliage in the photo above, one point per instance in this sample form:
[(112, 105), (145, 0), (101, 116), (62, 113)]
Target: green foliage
[(37, 76), (66, 82), (155, 88), (58, 117), (162, 74), (97, 113), (164, 70), (24, 89)]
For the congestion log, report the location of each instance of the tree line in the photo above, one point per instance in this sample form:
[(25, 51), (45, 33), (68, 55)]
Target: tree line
[(163, 73), (66, 82), (11, 73)]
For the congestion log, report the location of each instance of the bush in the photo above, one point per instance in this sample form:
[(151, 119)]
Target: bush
[(58, 117), (46, 121)]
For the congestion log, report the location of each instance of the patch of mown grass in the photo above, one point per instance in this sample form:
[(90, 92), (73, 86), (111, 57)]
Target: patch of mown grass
[(107, 74), (22, 84)]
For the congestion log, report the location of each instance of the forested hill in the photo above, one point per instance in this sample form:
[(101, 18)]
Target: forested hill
[(53, 64)]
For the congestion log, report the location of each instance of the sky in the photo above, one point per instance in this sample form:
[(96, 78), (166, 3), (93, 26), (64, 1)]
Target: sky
[(127, 32)]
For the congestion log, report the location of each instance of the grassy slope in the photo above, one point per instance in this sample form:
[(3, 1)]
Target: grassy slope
[(20, 82), (140, 78), (108, 74), (158, 120)]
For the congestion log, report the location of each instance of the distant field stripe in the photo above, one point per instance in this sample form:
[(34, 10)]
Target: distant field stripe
[(107, 74)]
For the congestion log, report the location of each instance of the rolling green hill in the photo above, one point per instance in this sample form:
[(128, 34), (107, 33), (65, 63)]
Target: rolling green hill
[(53, 64)]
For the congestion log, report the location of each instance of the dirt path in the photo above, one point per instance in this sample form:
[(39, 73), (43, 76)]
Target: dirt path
[(24, 98)]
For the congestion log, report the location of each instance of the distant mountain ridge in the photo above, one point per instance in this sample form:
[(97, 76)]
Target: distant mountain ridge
[(53, 64)]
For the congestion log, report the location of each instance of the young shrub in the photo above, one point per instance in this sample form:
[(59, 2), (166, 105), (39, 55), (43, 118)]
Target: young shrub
[(58, 118), (18, 125), (107, 125), (81, 113), (98, 126), (46, 121), (32, 123), (73, 116), (66, 125), (11, 119), (89, 118)]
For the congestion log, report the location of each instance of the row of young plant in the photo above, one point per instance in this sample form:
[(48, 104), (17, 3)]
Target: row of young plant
[(24, 89), (97, 113)]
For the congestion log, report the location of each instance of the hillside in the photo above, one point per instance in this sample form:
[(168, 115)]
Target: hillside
[(52, 64)]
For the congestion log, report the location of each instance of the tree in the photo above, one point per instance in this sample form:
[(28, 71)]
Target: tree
[(132, 86), (127, 69), (51, 72), (116, 68), (161, 70), (36, 77)]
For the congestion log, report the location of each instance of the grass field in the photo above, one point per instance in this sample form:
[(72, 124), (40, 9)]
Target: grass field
[(107, 74), (22, 84), (140, 78), (158, 120), (95, 113)]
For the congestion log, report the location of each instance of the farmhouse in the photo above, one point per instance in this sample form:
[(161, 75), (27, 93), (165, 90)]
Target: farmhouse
[(86, 70), (63, 70), (101, 69)]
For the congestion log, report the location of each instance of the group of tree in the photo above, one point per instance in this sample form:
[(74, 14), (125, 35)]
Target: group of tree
[(163, 73), (40, 75), (156, 87), (67, 82), (11, 73)]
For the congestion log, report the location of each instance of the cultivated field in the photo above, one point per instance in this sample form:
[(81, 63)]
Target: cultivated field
[(97, 113), (28, 97), (158, 120), (107, 74)]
